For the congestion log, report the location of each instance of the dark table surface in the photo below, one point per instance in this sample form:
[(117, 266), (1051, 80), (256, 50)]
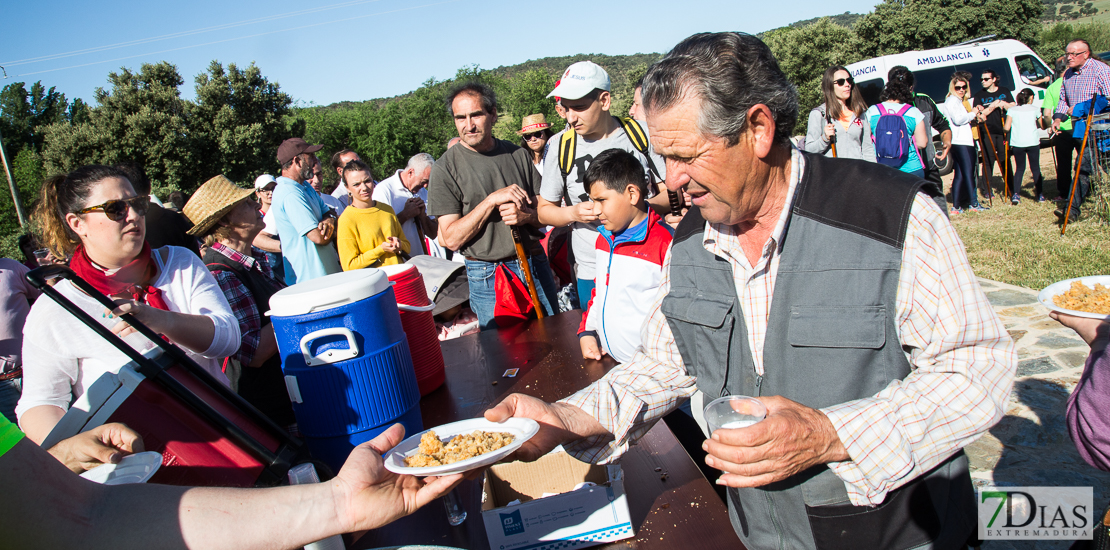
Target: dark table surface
[(671, 503)]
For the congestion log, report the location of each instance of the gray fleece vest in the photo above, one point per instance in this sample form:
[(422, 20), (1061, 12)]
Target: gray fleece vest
[(832, 338)]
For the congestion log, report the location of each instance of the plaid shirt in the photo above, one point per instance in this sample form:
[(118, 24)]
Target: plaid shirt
[(1081, 84), (240, 299), (963, 361)]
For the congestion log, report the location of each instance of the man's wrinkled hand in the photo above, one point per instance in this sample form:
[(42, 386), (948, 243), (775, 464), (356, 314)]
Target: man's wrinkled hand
[(791, 439)]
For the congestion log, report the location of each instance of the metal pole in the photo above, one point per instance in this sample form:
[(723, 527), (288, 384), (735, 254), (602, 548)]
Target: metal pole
[(11, 185)]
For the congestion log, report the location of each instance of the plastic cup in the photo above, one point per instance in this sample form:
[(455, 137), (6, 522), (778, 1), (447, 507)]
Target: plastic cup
[(733, 411), (42, 256)]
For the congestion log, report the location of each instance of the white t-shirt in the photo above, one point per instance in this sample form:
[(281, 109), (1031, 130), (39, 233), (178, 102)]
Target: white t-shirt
[(393, 192), (1023, 126), (269, 221), (62, 357), (333, 203), (584, 235)]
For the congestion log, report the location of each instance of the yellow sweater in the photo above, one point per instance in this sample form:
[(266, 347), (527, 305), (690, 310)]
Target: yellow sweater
[(361, 233)]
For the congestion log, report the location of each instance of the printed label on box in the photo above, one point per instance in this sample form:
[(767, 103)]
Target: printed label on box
[(512, 523)]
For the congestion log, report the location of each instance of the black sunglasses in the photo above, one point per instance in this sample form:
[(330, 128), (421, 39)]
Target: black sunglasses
[(841, 81), (986, 79), (964, 87), (116, 209), (533, 135)]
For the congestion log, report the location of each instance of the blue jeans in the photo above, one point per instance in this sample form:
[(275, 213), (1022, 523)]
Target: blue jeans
[(10, 390), (481, 275), (585, 292), (963, 182)]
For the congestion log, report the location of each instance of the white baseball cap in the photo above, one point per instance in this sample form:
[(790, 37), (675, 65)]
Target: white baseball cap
[(263, 181), (580, 79)]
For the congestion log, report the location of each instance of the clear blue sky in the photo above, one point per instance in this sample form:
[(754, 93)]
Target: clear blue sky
[(354, 50)]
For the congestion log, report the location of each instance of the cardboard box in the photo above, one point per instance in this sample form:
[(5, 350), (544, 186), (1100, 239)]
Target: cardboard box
[(570, 518)]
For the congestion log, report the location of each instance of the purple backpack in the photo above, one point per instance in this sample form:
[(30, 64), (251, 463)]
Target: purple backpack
[(891, 136)]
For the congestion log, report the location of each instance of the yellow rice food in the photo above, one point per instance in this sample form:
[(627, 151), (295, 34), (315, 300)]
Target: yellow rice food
[(433, 452), (1081, 297)]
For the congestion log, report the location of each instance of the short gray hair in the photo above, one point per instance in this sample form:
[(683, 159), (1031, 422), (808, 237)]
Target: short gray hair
[(730, 72), (420, 161)]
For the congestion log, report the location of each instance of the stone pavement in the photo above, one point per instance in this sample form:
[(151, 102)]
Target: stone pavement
[(1030, 445)]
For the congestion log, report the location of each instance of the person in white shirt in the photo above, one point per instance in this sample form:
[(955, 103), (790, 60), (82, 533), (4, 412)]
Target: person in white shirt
[(407, 194), (316, 182), (338, 161)]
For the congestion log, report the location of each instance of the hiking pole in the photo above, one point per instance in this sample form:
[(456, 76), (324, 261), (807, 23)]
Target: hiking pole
[(832, 139), (986, 170), (996, 159), (527, 271), (1078, 167), (676, 202), (1006, 168)]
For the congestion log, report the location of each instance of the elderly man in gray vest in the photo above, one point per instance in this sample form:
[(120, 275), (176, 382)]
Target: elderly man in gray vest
[(878, 358)]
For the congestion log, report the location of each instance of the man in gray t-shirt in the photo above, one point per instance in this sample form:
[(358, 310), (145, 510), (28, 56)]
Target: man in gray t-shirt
[(584, 93)]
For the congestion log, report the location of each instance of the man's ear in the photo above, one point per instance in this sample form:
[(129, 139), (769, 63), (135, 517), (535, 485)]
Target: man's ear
[(760, 130), (606, 99)]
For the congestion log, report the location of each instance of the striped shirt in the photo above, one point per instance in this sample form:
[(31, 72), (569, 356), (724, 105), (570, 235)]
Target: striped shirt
[(1081, 84), (963, 361)]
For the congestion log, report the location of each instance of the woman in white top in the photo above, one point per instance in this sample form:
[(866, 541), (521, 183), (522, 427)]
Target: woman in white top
[(1025, 143), (94, 213), (957, 107), (839, 120)]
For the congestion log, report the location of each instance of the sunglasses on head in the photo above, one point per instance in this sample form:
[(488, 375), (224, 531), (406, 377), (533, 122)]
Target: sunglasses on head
[(841, 81), (116, 209), (533, 135)]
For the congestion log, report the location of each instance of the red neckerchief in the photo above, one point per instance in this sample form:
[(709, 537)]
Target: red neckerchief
[(133, 279)]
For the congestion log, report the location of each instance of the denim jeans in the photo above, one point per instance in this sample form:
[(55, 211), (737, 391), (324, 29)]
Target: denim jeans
[(481, 275), (963, 182), (10, 390)]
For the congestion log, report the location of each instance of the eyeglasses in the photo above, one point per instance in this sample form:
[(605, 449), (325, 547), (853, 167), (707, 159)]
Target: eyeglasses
[(964, 87), (841, 81), (1076, 54), (269, 188), (986, 79), (116, 209), (533, 135)]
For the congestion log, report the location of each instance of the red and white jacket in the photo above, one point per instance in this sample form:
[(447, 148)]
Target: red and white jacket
[(629, 270)]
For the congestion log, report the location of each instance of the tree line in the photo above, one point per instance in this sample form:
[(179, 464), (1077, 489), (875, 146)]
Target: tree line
[(238, 116)]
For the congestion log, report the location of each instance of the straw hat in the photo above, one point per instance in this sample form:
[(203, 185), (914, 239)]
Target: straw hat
[(533, 123), (211, 202)]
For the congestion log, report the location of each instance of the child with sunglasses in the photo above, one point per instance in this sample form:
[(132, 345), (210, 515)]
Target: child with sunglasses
[(95, 214)]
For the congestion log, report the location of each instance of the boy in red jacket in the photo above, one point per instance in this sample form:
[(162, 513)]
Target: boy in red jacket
[(630, 251)]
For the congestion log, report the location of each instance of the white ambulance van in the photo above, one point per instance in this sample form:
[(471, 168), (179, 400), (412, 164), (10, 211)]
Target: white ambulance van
[(1017, 67)]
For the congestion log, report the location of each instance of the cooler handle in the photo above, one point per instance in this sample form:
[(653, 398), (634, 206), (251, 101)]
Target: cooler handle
[(406, 307), (331, 355)]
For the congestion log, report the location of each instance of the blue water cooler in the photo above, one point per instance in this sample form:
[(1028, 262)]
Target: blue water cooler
[(346, 361)]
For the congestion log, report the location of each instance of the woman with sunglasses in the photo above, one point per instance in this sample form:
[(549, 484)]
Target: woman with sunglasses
[(534, 133), (839, 120), (960, 113), (95, 214)]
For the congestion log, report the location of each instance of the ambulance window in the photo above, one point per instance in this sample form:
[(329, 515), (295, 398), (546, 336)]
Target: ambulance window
[(870, 90), (1032, 71)]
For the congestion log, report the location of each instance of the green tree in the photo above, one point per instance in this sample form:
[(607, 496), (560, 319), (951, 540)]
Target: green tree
[(902, 25), (236, 123), (1054, 39), (142, 118), (804, 53), (527, 95), (24, 112)]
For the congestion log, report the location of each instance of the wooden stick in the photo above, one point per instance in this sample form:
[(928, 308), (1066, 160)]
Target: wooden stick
[(986, 170), (1078, 167), (522, 257), (1006, 169), (832, 141)]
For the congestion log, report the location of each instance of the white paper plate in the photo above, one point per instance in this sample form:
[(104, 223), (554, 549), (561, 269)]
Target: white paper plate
[(136, 468), (522, 430), (1055, 289)]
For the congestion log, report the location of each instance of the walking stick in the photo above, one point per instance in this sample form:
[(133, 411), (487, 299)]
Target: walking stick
[(1006, 169), (420, 233), (832, 140), (676, 202), (1079, 166), (983, 127), (986, 170), (523, 259)]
